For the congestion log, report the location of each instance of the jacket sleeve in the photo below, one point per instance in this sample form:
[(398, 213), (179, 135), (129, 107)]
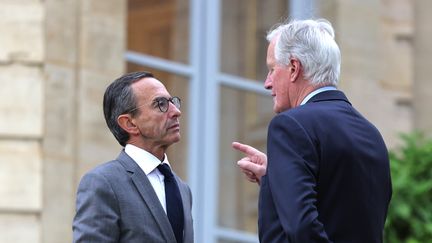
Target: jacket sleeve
[(97, 212), (292, 176)]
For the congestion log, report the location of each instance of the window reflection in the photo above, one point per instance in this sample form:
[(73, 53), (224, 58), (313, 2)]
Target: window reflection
[(159, 28), (244, 118), (244, 115), (244, 27)]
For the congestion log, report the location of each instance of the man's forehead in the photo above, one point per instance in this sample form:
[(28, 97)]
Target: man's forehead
[(270, 53), (148, 83), (151, 87)]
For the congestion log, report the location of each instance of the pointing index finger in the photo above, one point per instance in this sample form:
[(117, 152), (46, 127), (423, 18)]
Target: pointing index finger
[(246, 149)]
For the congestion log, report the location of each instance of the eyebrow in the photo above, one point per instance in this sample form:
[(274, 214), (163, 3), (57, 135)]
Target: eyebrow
[(162, 97)]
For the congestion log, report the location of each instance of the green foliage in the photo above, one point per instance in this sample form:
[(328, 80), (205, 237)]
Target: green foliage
[(409, 218)]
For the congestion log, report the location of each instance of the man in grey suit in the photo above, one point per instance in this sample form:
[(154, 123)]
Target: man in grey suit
[(128, 199)]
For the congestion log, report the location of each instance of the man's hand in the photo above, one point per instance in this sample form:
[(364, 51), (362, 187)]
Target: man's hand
[(254, 165)]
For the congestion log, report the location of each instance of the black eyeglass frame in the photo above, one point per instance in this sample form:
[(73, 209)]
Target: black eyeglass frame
[(162, 103)]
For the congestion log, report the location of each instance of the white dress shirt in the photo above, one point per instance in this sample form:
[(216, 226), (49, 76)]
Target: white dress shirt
[(148, 163), (317, 91)]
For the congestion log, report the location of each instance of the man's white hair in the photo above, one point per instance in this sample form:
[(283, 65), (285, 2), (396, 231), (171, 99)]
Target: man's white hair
[(312, 43)]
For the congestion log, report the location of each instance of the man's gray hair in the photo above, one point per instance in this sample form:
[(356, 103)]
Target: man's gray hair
[(313, 43)]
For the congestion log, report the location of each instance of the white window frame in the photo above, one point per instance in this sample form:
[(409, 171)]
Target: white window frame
[(205, 81)]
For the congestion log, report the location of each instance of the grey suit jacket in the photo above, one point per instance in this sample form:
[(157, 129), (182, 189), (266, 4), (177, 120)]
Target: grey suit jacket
[(117, 203)]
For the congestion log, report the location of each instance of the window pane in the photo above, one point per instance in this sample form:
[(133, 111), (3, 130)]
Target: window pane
[(159, 28), (176, 86), (244, 27), (244, 118)]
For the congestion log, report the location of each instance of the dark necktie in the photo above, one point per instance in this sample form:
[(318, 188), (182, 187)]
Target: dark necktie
[(174, 205)]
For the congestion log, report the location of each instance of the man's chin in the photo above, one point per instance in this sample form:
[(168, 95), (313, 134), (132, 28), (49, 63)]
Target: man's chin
[(176, 138), (171, 141), (276, 109)]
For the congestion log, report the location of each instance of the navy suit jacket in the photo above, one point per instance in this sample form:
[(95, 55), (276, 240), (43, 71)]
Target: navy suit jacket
[(117, 203), (328, 176)]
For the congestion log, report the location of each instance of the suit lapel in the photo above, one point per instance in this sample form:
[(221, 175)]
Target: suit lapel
[(148, 194)]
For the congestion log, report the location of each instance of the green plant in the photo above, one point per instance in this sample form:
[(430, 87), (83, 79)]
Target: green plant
[(409, 218)]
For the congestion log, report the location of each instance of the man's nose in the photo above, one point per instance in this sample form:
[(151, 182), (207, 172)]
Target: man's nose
[(268, 83), (173, 110)]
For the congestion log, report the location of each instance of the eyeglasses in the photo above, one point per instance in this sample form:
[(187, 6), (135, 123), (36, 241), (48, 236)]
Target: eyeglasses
[(163, 103)]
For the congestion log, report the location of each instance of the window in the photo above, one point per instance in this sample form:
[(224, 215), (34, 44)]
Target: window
[(212, 55)]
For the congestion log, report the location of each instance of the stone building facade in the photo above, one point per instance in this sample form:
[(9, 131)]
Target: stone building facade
[(57, 57)]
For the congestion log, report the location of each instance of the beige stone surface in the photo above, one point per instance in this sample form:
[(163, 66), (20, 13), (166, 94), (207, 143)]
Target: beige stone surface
[(96, 143), (102, 40), (86, 53), (58, 200), (62, 32), (20, 175), (358, 38), (21, 101), (21, 26), (102, 36), (19, 228), (59, 153), (396, 35), (60, 112), (328, 9), (422, 67), (385, 102), (60, 123)]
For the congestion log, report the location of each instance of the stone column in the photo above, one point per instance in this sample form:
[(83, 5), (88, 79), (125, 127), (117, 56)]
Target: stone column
[(102, 43), (85, 43), (60, 140), (21, 119), (422, 66)]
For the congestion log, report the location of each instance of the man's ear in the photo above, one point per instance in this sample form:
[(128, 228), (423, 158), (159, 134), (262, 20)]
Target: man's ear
[(126, 122), (296, 69)]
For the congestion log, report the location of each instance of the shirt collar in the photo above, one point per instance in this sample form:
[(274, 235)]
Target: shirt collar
[(317, 91), (146, 161)]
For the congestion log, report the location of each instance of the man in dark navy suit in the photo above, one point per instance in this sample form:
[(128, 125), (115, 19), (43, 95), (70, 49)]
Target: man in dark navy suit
[(326, 175)]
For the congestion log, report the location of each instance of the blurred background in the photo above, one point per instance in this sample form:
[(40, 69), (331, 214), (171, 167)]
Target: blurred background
[(58, 56)]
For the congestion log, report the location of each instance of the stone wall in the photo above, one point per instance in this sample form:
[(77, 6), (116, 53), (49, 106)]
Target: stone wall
[(86, 41), (422, 66), (376, 72), (56, 58), (22, 116)]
